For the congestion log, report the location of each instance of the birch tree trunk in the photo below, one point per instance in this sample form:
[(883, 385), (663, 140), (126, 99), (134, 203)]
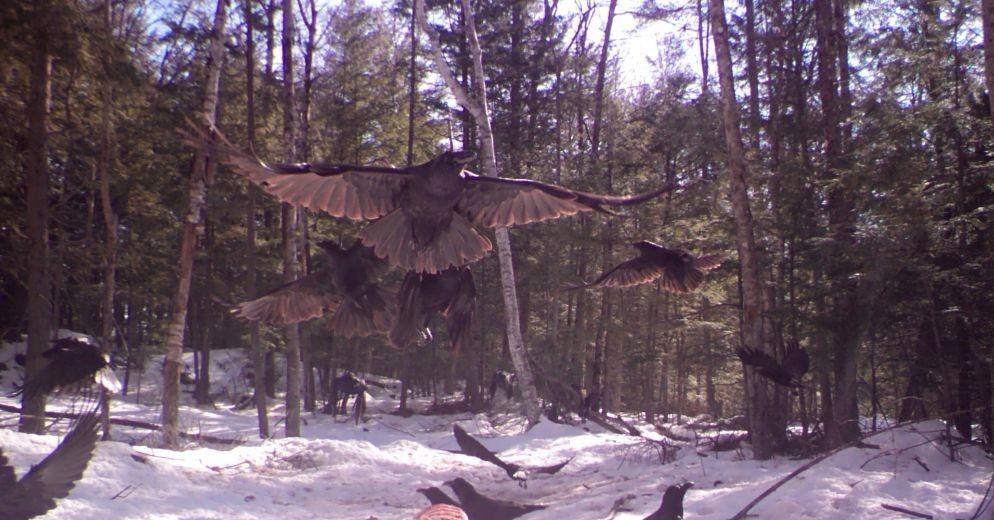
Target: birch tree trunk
[(291, 218), (477, 106), (191, 226), (759, 417)]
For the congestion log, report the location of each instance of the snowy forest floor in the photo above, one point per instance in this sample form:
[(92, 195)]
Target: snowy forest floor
[(338, 470)]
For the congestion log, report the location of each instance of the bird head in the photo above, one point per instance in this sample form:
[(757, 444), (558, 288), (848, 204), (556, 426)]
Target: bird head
[(331, 247), (459, 485), (460, 159)]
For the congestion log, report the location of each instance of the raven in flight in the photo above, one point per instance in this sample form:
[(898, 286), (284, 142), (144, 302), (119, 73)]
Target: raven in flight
[(788, 372), (451, 293), (52, 478), (480, 507), (71, 364), (344, 286), (424, 217), (672, 506), (681, 271), (472, 447)]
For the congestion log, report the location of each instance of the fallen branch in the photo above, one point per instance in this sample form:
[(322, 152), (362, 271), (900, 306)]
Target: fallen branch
[(858, 442), (908, 512), (129, 423)]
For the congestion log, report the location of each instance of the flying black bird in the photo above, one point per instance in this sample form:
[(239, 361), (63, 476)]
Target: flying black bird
[(53, 477), (424, 215), (345, 286), (472, 447), (672, 506), (681, 271), (451, 293), (437, 496), (480, 507), (72, 364), (442, 512), (788, 372)]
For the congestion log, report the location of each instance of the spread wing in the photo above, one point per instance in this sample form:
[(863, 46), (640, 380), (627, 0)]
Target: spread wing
[(53, 477), (496, 202), (69, 364), (297, 301), (795, 361), (708, 262), (758, 359), (472, 447), (636, 271), (341, 190)]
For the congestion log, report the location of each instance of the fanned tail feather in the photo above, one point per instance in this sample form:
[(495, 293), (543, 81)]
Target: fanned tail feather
[(372, 312), (392, 237)]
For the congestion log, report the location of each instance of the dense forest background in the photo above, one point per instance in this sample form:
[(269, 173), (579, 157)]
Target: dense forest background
[(866, 131)]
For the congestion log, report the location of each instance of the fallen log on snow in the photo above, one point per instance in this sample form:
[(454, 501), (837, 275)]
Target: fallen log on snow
[(131, 424)]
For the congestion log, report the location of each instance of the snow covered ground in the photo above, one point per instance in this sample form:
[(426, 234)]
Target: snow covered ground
[(341, 471)]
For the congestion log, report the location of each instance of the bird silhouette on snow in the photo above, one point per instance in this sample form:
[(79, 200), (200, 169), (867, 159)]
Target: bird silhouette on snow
[(672, 506)]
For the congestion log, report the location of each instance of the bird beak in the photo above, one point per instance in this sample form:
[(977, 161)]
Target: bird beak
[(463, 158)]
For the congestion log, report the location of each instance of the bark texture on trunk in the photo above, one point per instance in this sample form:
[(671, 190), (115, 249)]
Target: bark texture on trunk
[(760, 417), (291, 218), (987, 14), (258, 351), (37, 187), (172, 366)]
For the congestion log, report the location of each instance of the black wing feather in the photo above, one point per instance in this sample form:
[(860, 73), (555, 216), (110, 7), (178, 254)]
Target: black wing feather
[(54, 476), (497, 202)]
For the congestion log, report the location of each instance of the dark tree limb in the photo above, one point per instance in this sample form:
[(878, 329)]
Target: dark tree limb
[(131, 423)]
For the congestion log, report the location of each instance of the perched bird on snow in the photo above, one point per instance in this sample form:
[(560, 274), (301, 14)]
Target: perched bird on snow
[(437, 496), (787, 372), (480, 507), (424, 216), (71, 365), (53, 477), (679, 270), (672, 506), (345, 286)]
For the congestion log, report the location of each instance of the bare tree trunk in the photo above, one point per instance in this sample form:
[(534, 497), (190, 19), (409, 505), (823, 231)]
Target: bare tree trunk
[(987, 10), (599, 367), (290, 229), (310, 22), (258, 351), (191, 225), (412, 94), (760, 419), (477, 106), (845, 305), (110, 224), (37, 187)]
